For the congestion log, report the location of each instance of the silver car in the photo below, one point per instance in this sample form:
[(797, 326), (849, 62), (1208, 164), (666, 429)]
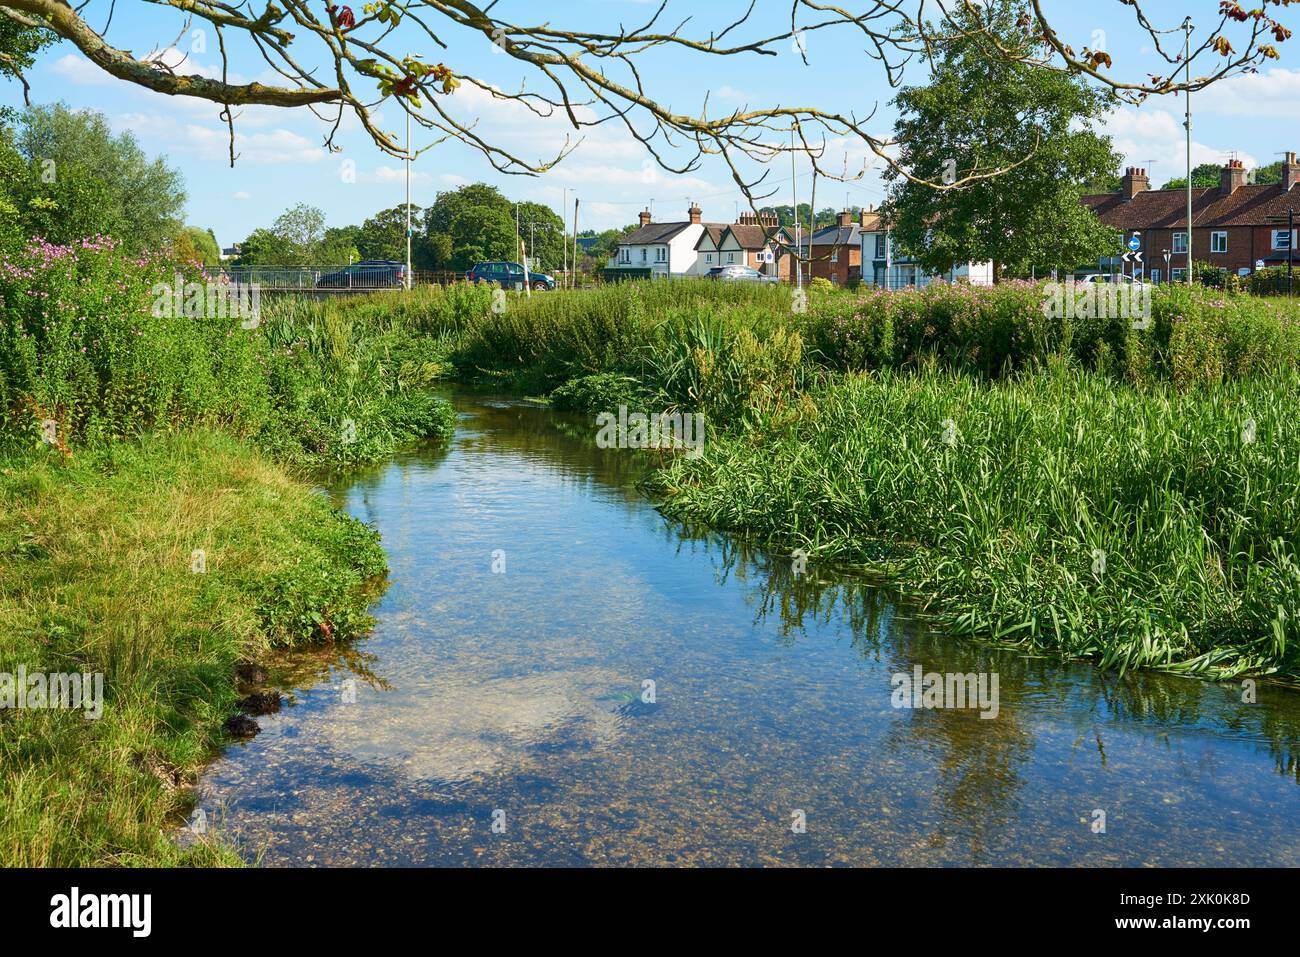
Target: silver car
[(739, 273)]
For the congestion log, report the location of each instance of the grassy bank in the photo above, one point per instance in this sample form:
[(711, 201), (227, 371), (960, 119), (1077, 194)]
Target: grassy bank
[(96, 577), (132, 433)]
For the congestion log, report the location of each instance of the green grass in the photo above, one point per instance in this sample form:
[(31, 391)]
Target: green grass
[(990, 503), (95, 576)]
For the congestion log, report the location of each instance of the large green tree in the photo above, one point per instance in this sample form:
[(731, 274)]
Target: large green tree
[(383, 235), (82, 180), (476, 223), (983, 112)]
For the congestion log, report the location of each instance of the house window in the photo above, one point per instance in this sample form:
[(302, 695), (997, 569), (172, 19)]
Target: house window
[(834, 278), (1282, 239), (1219, 242), (661, 254), (880, 245), (708, 257), (1177, 275), (1155, 275), (731, 257), (625, 255), (1180, 243), (643, 254)]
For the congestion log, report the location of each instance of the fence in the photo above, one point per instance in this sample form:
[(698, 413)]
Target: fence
[(337, 279)]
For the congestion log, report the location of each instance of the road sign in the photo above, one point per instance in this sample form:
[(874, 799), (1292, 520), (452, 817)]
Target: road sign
[(1259, 264), (1134, 243)]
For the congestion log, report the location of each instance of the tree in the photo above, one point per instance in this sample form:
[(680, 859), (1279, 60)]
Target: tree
[(82, 180), (297, 238), (18, 48), (326, 55), (1270, 173), (980, 112), (476, 223), (383, 235), (1205, 176), (197, 245)]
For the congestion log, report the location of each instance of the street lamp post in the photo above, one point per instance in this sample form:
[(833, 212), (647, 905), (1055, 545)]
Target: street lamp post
[(1187, 55), (1167, 255)]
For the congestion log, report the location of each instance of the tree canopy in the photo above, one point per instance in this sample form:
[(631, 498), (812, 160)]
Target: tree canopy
[(980, 112), (72, 178)]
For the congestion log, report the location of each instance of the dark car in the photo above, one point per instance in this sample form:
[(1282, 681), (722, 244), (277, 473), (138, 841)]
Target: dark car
[(509, 276), (367, 274)]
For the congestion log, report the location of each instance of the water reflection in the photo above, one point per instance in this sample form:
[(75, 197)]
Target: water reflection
[(523, 694)]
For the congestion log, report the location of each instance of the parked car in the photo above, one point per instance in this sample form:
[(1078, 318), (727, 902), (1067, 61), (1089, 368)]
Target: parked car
[(509, 276), (367, 274), (738, 273)]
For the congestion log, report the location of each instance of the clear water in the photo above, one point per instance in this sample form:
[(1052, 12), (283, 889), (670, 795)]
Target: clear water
[(517, 697)]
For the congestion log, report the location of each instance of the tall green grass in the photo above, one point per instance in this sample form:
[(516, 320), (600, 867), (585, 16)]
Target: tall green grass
[(993, 503)]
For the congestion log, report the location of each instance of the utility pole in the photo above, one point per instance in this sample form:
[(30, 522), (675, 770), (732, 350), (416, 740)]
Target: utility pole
[(1187, 55), (564, 245), (575, 241), (408, 200), (794, 208)]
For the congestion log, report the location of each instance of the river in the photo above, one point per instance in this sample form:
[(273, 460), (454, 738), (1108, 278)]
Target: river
[(562, 676)]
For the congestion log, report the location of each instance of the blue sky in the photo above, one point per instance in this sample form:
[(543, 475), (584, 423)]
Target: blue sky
[(283, 160)]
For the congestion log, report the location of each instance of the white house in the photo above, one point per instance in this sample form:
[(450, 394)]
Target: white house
[(883, 265), (660, 250)]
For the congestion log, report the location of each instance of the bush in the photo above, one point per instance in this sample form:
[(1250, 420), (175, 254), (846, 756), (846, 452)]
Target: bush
[(90, 340)]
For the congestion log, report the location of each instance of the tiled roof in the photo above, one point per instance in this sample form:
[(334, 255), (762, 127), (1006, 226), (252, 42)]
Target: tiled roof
[(714, 231), (837, 235), (654, 233), (1248, 205), (752, 235)]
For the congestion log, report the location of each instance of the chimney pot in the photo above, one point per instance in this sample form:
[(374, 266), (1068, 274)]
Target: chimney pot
[(1290, 172), (694, 212), (1133, 182), (1232, 177)]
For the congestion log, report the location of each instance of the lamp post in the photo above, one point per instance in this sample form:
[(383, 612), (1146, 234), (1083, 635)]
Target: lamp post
[(1187, 54), (1167, 255)]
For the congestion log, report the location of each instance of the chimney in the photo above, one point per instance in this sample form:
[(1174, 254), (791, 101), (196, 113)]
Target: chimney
[(846, 218), (1290, 171), (1232, 177), (645, 217), (769, 220), (864, 218), (694, 212), (1135, 181), (746, 219)]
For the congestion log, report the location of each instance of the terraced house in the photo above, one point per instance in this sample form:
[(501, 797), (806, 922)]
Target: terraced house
[(1236, 225), (757, 241)]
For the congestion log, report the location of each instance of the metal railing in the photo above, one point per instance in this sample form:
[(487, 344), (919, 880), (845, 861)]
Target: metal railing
[(337, 279)]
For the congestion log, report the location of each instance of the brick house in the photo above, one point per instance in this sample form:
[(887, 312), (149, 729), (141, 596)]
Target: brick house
[(836, 251), (1234, 225)]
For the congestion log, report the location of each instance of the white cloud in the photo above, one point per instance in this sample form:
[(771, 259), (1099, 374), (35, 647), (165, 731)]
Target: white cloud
[(389, 174), (273, 147), (1273, 93), (1155, 139), (77, 69), (241, 195)]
